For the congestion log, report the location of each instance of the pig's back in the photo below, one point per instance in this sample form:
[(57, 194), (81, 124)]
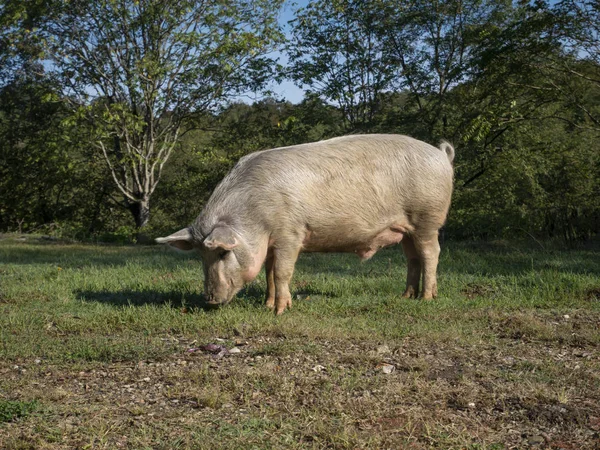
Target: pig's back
[(356, 184)]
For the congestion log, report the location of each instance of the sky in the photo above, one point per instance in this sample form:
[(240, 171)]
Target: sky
[(287, 89)]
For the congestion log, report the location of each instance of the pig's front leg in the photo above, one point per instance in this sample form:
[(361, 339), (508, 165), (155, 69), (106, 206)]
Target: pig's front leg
[(283, 269)]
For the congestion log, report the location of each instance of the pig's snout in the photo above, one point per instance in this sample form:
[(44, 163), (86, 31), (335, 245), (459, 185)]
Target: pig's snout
[(213, 300)]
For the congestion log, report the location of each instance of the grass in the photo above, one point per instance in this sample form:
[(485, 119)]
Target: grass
[(106, 342), (13, 410)]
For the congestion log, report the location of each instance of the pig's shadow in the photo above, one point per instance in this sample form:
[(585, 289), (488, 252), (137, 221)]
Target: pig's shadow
[(253, 295), (176, 299)]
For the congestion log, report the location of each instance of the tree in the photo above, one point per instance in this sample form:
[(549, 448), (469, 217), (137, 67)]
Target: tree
[(137, 70), (336, 52), (578, 30), (270, 123), (430, 46), (46, 176)]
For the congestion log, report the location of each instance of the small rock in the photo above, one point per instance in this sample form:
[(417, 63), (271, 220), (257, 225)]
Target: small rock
[(213, 348), (383, 350), (471, 405), (318, 368), (509, 360), (387, 368), (566, 317), (536, 440), (146, 379), (235, 350), (38, 361)]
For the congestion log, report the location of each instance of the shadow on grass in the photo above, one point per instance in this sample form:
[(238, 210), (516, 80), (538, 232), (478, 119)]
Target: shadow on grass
[(90, 255), (498, 258), (252, 295), (175, 299)]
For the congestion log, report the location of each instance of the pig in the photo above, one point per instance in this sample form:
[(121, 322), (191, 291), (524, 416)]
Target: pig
[(355, 193)]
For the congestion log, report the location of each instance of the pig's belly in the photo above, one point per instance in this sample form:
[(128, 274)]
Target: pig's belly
[(365, 245)]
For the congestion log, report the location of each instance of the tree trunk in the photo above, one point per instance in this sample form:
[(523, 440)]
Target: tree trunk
[(141, 213)]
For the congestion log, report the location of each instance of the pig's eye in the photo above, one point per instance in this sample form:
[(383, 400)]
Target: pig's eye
[(223, 254)]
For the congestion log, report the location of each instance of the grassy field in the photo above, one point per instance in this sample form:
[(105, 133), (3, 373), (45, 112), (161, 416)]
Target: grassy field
[(102, 347)]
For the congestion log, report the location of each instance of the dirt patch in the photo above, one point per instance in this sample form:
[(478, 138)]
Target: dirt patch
[(452, 374), (593, 295), (441, 394), (542, 411), (474, 290)]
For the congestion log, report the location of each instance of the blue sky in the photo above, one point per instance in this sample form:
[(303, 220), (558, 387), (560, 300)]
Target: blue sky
[(287, 89)]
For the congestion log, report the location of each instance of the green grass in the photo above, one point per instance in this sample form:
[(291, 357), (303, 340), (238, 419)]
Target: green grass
[(13, 410), (106, 338)]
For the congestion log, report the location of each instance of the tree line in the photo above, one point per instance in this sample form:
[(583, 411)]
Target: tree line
[(121, 116)]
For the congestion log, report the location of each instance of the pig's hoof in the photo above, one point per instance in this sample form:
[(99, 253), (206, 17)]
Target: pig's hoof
[(409, 293), (270, 303), (282, 305)]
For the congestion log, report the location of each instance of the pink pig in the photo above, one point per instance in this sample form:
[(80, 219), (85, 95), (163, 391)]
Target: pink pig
[(355, 193)]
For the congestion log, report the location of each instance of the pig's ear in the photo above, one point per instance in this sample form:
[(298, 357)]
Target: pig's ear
[(221, 237), (181, 240)]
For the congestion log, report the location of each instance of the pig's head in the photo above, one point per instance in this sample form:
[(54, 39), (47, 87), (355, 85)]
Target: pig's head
[(226, 259)]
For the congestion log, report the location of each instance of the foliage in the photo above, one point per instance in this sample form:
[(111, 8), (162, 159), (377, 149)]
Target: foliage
[(95, 329), (431, 47), (336, 52), (38, 173), (513, 85), (136, 71), (11, 410)]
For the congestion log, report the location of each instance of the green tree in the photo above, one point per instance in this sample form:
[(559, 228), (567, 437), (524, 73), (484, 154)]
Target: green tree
[(431, 48), (46, 178), (336, 52), (137, 70), (272, 123), (578, 73)]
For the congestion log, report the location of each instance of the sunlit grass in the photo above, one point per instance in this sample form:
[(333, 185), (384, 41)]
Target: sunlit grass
[(67, 308)]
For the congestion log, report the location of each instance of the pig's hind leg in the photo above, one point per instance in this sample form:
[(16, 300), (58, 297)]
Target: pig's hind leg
[(270, 272), (428, 249), (413, 261)]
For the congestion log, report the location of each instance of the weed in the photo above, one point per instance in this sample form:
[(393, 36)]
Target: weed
[(112, 345), (11, 410)]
